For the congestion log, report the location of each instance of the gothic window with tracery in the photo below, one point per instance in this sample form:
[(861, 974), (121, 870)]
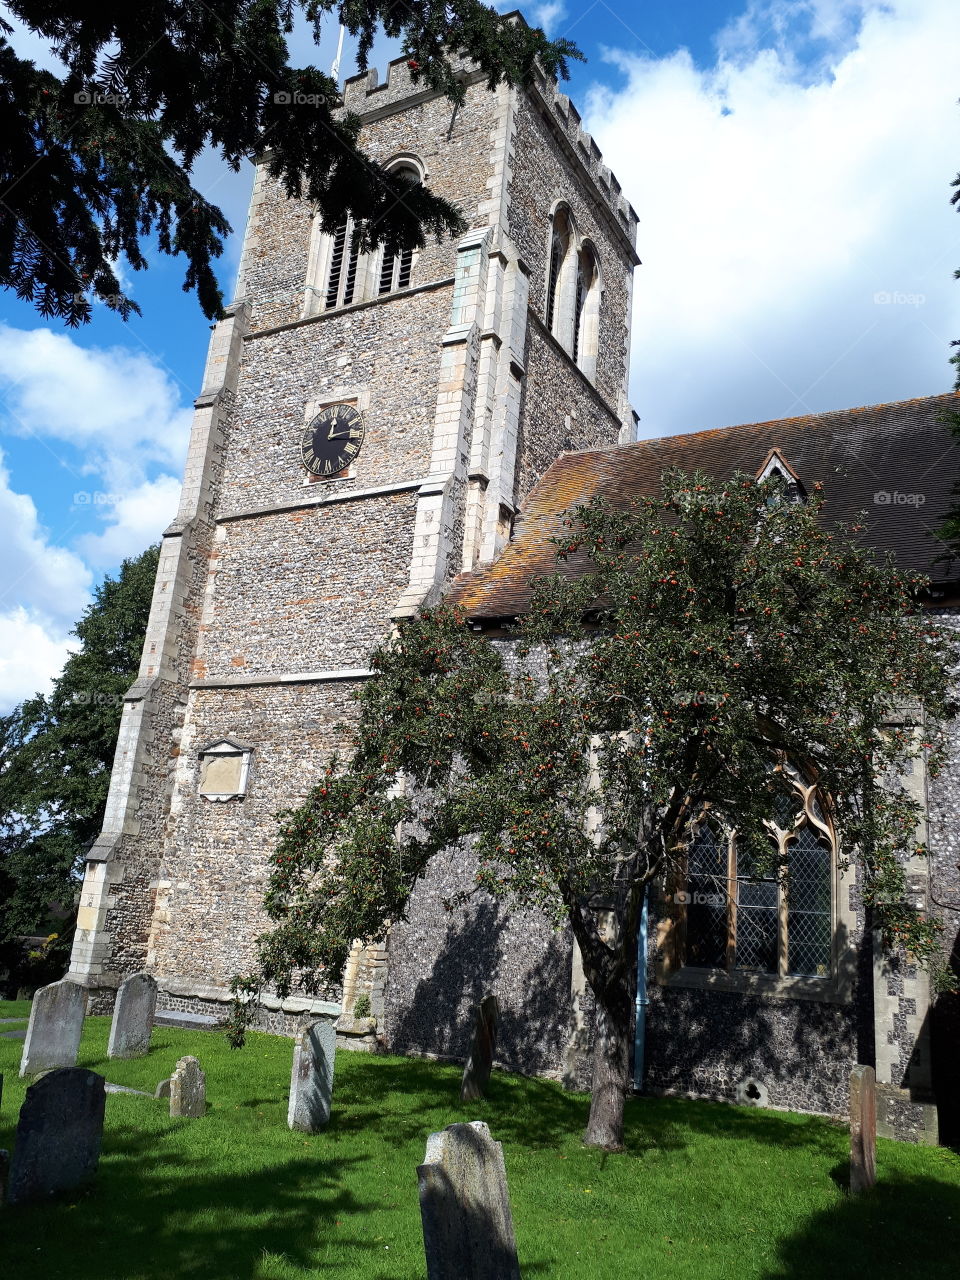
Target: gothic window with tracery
[(777, 924)]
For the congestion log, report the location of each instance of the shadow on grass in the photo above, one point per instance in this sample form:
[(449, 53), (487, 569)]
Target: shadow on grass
[(138, 1221), (905, 1226)]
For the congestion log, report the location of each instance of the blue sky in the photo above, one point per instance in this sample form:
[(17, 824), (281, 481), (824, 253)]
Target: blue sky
[(790, 163)]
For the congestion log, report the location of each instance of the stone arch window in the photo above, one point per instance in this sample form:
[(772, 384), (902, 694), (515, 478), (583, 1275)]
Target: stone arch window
[(561, 276), (780, 926), (395, 269), (586, 318)]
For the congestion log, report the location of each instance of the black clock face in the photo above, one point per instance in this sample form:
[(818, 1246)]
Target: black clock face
[(332, 440)]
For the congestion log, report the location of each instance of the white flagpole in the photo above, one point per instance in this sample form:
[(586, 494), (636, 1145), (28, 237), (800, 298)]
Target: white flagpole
[(335, 69)]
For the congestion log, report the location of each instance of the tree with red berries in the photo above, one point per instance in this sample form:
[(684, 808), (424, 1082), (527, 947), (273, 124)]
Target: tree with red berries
[(724, 635)]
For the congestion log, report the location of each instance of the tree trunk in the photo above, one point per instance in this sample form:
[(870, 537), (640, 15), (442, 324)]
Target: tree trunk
[(611, 1072)]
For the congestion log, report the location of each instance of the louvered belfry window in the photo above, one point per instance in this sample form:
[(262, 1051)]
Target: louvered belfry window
[(559, 244), (344, 258), (776, 925)]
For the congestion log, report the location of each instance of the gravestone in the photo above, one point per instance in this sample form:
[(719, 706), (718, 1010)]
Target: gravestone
[(188, 1089), (311, 1080), (133, 1013), (465, 1207), (54, 1029), (163, 1089), (863, 1129), (59, 1132), (476, 1074)]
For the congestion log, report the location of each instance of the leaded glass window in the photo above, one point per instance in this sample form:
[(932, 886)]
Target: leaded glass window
[(777, 924)]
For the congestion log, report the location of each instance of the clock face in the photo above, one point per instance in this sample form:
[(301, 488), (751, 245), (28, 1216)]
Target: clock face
[(332, 440)]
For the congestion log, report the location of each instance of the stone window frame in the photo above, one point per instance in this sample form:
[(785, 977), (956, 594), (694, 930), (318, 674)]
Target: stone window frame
[(222, 748), (369, 266), (671, 969)]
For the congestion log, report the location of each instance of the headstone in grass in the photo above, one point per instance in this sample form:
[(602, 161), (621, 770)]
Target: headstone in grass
[(465, 1207), (133, 1014), (57, 1146), (163, 1089), (54, 1029), (476, 1074), (188, 1089), (311, 1080), (863, 1129)]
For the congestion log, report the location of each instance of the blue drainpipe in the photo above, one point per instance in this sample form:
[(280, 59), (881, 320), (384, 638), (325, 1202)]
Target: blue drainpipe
[(640, 1032)]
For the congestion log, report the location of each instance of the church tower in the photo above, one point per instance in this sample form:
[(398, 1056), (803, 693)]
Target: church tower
[(366, 430)]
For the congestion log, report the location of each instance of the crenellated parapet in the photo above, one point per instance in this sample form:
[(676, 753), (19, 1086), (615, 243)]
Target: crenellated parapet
[(369, 97)]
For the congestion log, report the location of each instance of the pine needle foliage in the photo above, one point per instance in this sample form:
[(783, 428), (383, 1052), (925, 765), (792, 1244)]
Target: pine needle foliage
[(94, 161)]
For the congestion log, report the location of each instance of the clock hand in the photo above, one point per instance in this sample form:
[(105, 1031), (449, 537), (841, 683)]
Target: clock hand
[(339, 435)]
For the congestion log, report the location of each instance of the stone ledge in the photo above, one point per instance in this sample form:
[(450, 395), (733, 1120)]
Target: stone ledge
[(323, 500), (275, 678)]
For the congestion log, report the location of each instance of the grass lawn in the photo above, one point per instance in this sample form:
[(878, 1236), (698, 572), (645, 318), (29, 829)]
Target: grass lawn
[(703, 1190)]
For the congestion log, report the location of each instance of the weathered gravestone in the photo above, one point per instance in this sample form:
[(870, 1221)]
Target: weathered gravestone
[(57, 1146), (465, 1207), (54, 1029), (476, 1074), (311, 1080), (188, 1089), (133, 1014), (163, 1089), (863, 1129)]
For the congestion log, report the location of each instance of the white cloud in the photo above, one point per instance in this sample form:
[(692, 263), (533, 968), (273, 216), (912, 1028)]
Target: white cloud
[(136, 519), (51, 581), (120, 408), (548, 15), (796, 233), (30, 657), (115, 419), (43, 590)]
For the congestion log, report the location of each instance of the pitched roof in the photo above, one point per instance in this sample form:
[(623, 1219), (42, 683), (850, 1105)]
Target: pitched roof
[(898, 463)]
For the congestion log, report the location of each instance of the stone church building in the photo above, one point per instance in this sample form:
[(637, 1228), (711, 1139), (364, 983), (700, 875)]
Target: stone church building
[(373, 432)]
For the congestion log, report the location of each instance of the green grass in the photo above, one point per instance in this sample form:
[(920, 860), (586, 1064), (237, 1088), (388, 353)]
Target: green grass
[(15, 1009), (702, 1191)]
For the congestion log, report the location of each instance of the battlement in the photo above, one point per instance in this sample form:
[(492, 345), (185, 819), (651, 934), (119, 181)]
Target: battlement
[(365, 93)]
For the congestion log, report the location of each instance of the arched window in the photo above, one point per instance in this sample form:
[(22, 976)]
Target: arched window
[(561, 244), (778, 925), (396, 268), (586, 317)]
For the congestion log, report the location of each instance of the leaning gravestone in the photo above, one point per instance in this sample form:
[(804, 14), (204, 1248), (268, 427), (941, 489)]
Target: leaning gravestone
[(476, 1074), (311, 1080), (57, 1146), (188, 1089), (863, 1129), (465, 1207), (54, 1029), (133, 1013)]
